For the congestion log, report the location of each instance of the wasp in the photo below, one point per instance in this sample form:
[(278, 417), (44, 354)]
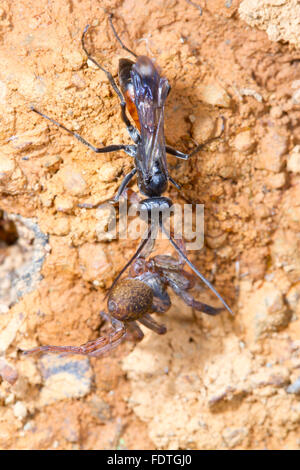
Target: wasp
[(143, 93)]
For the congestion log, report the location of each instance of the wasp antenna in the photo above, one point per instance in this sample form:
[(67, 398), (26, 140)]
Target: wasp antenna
[(203, 279), (110, 16), (83, 38), (196, 6), (86, 28), (222, 125)]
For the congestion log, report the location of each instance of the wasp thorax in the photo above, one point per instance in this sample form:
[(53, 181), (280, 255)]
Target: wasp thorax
[(130, 299), (145, 67)]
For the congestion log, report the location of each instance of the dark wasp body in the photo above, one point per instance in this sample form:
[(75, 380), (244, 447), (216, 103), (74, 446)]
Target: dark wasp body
[(144, 93)]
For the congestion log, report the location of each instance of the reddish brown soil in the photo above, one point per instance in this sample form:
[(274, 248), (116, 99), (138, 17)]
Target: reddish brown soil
[(209, 382)]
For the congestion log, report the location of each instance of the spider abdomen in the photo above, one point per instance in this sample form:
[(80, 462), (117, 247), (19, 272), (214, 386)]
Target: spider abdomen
[(130, 300)]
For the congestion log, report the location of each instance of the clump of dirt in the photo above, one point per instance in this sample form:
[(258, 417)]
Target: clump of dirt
[(279, 18), (209, 382)]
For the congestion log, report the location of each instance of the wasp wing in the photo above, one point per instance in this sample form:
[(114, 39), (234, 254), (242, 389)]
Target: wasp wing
[(150, 93)]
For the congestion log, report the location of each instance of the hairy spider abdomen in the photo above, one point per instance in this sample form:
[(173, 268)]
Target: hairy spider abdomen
[(130, 299)]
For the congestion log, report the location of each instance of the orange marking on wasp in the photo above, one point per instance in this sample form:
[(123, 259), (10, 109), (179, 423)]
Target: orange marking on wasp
[(132, 109)]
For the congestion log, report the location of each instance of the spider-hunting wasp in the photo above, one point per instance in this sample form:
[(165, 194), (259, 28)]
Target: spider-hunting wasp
[(143, 93)]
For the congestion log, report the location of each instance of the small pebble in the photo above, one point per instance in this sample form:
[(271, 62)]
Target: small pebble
[(74, 58), (108, 172), (28, 426), (61, 227), (272, 148), (73, 181), (10, 399), (64, 377), (294, 387), (20, 410), (64, 204), (276, 112), (215, 95), (276, 181), (244, 142), (7, 372), (293, 163), (7, 166), (91, 64)]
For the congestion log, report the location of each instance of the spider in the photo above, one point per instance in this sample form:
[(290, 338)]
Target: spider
[(134, 298)]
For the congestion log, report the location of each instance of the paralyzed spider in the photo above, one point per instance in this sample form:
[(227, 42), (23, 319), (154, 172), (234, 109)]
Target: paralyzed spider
[(134, 298)]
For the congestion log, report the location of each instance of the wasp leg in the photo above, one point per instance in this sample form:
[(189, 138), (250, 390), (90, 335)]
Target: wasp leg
[(129, 149), (177, 153), (177, 186), (186, 156), (116, 198), (193, 268), (133, 132), (123, 186), (144, 242)]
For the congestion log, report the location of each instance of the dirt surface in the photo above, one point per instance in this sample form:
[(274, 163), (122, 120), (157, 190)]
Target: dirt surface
[(209, 382)]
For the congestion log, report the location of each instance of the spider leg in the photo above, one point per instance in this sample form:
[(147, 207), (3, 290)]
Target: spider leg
[(150, 323), (161, 298), (161, 304), (116, 324), (134, 332), (92, 348)]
